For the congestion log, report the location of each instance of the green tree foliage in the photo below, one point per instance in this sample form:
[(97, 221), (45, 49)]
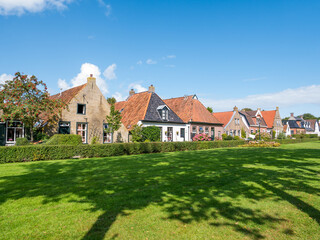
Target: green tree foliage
[(226, 137), (151, 133), (282, 136), (210, 109), (246, 109), (243, 133), (264, 136), (273, 134), (285, 119), (27, 99), (114, 118), (307, 116), (136, 133)]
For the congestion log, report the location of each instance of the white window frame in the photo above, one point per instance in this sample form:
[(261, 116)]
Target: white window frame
[(14, 131), (85, 130)]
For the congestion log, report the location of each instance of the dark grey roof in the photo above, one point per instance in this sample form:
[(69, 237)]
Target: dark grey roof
[(249, 115), (293, 124), (153, 111)]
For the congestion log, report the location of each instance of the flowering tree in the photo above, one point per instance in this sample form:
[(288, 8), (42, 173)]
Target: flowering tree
[(27, 99), (201, 137)]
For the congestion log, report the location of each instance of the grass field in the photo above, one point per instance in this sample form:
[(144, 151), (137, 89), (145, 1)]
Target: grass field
[(235, 193)]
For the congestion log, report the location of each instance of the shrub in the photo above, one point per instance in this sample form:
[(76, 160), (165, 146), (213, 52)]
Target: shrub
[(273, 134), (136, 133), (236, 138), (226, 137), (22, 142), (95, 140), (243, 133), (48, 152), (261, 144), (264, 136), (282, 136), (65, 139), (151, 133), (201, 137)]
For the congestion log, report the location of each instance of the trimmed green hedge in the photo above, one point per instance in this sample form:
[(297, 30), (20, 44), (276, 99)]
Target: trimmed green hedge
[(64, 139), (288, 141), (47, 152)]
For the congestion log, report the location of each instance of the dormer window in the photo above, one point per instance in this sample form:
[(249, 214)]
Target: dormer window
[(81, 109), (163, 112)]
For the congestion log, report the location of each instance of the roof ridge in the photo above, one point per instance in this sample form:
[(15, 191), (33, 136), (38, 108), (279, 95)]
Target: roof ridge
[(147, 105)]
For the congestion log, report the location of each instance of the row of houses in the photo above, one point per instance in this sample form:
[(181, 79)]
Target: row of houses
[(179, 119), (298, 125)]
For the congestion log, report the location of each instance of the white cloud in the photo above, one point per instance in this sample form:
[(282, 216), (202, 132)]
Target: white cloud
[(62, 84), (138, 87), (150, 61), (118, 96), (4, 77), (81, 78), (106, 6), (285, 98), (139, 62), (19, 7), (109, 72)]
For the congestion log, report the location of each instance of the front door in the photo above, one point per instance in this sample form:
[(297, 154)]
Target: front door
[(2, 134)]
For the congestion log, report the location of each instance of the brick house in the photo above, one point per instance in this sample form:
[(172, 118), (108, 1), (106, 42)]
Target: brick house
[(86, 114), (255, 121), (273, 121), (196, 116), (10, 131), (148, 109), (233, 122)]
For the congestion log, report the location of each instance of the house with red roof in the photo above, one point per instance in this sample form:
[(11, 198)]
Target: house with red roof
[(148, 109), (255, 121), (233, 122), (86, 114), (273, 121), (196, 117)]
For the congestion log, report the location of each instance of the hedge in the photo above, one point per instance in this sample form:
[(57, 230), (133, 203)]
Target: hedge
[(65, 139), (48, 152)]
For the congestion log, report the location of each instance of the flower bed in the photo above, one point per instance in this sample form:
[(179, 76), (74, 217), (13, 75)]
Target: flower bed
[(261, 144)]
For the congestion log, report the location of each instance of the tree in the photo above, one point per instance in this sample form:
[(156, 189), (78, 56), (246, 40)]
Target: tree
[(210, 109), (151, 134), (307, 116), (246, 109), (243, 133), (136, 133), (27, 99), (114, 118)]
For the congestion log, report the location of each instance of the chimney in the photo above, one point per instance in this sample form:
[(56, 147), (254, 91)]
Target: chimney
[(131, 92), (259, 109), (277, 108), (291, 114), (91, 79), (235, 109), (152, 89)]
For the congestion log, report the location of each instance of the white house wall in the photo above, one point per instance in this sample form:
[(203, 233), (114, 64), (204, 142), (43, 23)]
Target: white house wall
[(176, 128)]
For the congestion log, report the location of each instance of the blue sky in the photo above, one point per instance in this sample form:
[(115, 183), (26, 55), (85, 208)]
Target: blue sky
[(245, 53)]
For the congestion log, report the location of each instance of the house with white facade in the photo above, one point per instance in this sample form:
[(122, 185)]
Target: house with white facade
[(148, 109)]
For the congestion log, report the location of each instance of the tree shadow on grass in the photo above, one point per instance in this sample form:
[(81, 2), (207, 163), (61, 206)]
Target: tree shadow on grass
[(189, 186)]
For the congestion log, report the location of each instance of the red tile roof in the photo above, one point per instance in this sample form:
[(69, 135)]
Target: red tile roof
[(66, 96), (134, 109), (190, 109), (269, 117), (223, 117)]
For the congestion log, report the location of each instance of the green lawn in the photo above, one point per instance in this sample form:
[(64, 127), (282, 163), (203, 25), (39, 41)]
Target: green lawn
[(235, 193)]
